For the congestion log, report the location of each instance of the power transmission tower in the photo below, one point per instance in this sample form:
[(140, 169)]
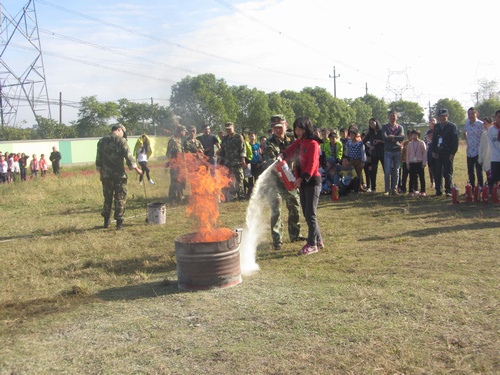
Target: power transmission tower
[(398, 83), (22, 74)]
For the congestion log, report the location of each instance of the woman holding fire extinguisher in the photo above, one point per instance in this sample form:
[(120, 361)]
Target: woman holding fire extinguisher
[(305, 152)]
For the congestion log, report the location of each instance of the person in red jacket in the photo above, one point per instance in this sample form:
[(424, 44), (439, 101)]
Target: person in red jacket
[(305, 151)]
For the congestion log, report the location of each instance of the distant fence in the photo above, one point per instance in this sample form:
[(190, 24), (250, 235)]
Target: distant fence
[(75, 150)]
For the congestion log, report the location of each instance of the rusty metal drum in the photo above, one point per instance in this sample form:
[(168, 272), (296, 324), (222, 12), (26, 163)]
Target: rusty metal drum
[(207, 265)]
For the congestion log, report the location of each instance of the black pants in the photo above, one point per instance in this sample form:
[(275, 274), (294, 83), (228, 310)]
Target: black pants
[(55, 166), (417, 173), (404, 177), (443, 167), (474, 166), (495, 173), (309, 197), (145, 169), (374, 169)]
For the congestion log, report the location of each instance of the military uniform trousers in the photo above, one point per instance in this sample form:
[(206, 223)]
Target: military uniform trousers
[(114, 188), (236, 191), (276, 195), (175, 191)]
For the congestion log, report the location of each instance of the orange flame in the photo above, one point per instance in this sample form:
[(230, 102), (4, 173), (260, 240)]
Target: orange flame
[(206, 183)]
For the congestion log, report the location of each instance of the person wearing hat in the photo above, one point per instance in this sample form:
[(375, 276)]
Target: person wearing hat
[(192, 144), (275, 145), (111, 151), (209, 142), (233, 154), (444, 147), (175, 157)]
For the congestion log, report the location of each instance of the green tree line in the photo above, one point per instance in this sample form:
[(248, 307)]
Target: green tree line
[(205, 99)]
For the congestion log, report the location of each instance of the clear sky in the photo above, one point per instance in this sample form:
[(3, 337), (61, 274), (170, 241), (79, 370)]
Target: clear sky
[(420, 50)]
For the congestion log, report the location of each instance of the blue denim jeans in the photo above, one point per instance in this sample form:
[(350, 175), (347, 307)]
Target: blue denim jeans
[(392, 163)]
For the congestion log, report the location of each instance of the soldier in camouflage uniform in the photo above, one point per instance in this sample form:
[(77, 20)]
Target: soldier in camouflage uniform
[(233, 155), (175, 155), (274, 146), (111, 151), (192, 144)]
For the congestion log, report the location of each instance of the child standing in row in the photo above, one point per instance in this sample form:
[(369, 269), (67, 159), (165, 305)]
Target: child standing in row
[(34, 167), (3, 169), (357, 154), (416, 160), (43, 165)]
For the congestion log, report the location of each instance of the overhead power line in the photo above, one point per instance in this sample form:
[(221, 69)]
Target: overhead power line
[(174, 44)]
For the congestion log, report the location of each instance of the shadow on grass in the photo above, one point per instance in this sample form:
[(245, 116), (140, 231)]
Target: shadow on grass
[(419, 233), (13, 312), (147, 264), (140, 291)]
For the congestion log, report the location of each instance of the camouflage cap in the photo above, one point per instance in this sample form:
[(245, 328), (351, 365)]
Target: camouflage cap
[(118, 126), (277, 118), (180, 128), (229, 125)]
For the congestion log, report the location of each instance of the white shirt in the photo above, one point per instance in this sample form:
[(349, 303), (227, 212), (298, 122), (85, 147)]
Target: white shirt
[(474, 132), (142, 156), (494, 143)]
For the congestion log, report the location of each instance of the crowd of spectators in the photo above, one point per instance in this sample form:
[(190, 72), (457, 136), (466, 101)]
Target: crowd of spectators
[(14, 167)]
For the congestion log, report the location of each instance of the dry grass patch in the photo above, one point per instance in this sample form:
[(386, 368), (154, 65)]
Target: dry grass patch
[(404, 286)]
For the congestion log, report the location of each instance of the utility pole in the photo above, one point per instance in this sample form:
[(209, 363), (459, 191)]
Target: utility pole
[(60, 108), (366, 88), (334, 82), (153, 117)]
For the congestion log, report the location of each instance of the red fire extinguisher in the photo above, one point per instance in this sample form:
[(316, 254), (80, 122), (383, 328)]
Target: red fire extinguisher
[(495, 194), (454, 195), (335, 193), (476, 194), (468, 192), (286, 174), (485, 194)]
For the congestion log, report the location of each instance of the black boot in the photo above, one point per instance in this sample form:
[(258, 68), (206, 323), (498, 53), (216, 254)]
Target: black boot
[(107, 222), (119, 224)]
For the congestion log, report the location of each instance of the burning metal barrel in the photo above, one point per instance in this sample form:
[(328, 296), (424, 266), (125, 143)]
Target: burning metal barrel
[(208, 265)]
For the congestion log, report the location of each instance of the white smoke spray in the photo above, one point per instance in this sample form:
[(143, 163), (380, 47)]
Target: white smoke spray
[(255, 225)]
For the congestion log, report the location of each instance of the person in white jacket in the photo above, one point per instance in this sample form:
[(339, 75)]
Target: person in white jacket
[(484, 157), (494, 142)]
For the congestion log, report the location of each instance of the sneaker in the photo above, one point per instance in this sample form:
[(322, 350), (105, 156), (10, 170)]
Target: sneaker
[(448, 195), (277, 246), (374, 192), (386, 193), (422, 194), (368, 190), (320, 245), (308, 249), (140, 183), (151, 182), (412, 194)]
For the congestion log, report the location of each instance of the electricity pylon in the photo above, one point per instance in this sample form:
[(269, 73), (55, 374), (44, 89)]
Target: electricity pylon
[(22, 74)]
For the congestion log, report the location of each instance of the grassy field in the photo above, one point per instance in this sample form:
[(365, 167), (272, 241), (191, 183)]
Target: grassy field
[(404, 286)]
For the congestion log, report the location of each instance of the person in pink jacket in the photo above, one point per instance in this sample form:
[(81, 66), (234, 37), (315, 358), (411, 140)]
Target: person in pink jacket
[(416, 160), (44, 167), (34, 167), (305, 152)]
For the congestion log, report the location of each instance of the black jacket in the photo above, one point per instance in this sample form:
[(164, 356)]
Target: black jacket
[(448, 133)]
